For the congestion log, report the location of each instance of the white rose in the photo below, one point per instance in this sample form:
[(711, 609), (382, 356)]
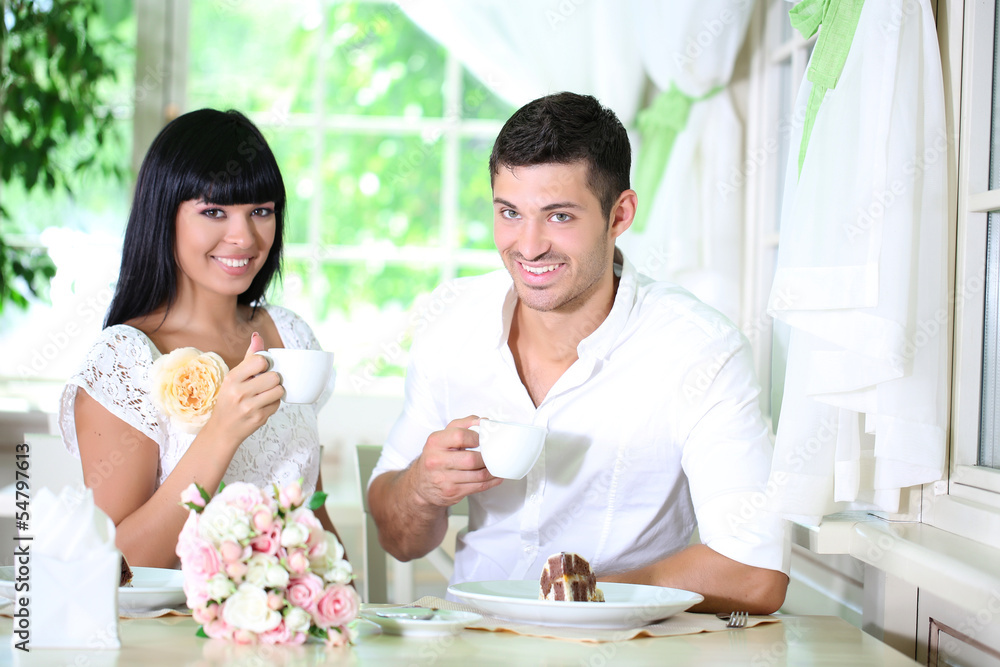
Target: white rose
[(220, 522), (257, 568), (220, 587), (298, 620), (247, 609), (340, 573), (294, 535), (276, 576)]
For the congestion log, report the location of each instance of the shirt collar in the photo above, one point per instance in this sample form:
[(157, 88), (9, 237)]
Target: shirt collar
[(600, 342)]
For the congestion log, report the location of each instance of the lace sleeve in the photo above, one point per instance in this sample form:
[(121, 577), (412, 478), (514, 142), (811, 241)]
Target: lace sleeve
[(115, 373), (296, 334)]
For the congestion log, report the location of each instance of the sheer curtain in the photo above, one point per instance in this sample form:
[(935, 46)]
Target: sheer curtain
[(861, 281), (690, 229), (523, 49)]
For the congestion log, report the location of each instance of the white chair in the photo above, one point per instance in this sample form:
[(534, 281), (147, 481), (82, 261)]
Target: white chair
[(49, 466), (377, 561)]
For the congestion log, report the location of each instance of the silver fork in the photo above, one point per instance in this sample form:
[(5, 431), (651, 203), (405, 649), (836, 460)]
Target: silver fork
[(737, 619)]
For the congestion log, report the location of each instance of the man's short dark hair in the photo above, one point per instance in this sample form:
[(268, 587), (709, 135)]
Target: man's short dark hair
[(565, 128)]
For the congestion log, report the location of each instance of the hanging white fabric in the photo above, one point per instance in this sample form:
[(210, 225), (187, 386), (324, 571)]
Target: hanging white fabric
[(522, 49), (861, 279), (694, 232)]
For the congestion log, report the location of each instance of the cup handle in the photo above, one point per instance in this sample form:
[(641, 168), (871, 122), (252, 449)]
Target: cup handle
[(266, 355)]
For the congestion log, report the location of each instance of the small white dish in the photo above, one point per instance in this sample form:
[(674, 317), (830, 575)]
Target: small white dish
[(419, 622), (152, 588)]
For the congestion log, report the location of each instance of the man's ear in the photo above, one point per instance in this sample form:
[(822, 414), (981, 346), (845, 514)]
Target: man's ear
[(623, 213)]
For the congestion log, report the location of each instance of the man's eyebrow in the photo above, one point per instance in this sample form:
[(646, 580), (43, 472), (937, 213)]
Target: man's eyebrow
[(547, 207)]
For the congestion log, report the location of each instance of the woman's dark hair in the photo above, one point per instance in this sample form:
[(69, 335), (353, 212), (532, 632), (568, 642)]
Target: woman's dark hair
[(564, 128), (217, 156)]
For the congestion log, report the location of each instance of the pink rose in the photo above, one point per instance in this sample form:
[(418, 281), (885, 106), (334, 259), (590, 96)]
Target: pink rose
[(198, 558), (337, 637), (218, 629), (237, 571), (304, 591), (275, 601), (336, 606), (206, 614), (242, 495), (290, 496), (263, 519), (232, 552), (241, 636), (195, 590), (269, 542), (298, 562), (279, 635), (192, 495), (188, 533)]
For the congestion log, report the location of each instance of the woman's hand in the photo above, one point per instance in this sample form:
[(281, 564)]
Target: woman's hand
[(249, 395)]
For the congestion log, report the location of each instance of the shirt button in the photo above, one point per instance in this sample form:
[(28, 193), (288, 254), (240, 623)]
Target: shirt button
[(534, 498), (528, 548)]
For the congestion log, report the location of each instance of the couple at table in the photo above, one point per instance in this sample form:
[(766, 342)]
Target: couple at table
[(648, 396)]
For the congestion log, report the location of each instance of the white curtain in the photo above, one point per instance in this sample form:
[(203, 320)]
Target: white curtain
[(693, 233), (523, 49), (861, 280)]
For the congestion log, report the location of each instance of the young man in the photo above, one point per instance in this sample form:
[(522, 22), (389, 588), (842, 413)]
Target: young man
[(648, 395)]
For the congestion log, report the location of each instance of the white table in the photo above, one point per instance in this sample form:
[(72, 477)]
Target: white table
[(797, 640)]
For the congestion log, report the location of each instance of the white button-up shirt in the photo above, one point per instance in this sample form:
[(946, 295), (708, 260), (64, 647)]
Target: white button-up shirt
[(655, 425)]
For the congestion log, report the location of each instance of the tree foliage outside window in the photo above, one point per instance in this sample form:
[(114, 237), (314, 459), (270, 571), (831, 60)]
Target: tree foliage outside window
[(58, 71)]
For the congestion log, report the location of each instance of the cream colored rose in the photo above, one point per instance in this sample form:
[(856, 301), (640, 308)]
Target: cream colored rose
[(186, 385)]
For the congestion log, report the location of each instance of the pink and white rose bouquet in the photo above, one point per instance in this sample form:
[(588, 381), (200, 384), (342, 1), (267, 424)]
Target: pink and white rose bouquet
[(259, 568)]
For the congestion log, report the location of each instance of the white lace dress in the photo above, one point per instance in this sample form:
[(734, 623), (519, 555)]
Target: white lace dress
[(116, 374)]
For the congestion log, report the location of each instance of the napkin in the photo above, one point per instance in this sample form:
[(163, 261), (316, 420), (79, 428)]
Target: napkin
[(684, 623), (74, 573)]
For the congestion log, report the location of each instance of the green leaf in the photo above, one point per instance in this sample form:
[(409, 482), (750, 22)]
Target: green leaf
[(222, 485), (316, 500), (201, 632), (204, 493)]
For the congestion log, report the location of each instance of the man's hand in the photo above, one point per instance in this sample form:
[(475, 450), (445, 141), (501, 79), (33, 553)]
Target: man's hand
[(447, 471), (411, 506)]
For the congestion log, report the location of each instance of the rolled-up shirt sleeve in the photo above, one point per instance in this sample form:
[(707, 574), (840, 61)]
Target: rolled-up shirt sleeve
[(727, 458)]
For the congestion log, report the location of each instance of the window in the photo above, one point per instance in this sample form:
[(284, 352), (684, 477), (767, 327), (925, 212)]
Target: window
[(781, 66), (383, 140), (973, 490)]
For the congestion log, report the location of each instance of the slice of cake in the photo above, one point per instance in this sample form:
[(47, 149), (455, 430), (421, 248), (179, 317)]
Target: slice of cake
[(568, 577)]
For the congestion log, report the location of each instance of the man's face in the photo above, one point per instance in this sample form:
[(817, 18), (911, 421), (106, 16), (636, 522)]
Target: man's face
[(551, 233)]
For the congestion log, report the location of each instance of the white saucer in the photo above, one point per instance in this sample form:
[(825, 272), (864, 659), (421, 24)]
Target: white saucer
[(407, 621)]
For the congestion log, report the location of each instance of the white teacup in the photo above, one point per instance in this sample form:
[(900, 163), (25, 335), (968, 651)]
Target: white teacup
[(509, 450), (304, 374)]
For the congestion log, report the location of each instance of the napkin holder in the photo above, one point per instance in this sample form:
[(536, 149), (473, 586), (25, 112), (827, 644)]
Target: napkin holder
[(72, 572)]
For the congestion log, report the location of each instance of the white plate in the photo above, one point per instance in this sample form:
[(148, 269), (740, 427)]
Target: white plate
[(442, 622), (626, 605), (152, 588)]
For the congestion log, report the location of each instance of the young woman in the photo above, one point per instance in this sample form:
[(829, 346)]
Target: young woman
[(202, 244)]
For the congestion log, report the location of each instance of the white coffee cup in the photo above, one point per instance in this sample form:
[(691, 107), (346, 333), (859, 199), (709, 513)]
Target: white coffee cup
[(509, 450), (305, 374)]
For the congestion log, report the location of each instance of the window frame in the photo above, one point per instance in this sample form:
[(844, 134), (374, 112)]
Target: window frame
[(968, 502), (767, 117)]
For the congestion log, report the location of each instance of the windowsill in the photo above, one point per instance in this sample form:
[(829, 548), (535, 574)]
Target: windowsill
[(960, 570)]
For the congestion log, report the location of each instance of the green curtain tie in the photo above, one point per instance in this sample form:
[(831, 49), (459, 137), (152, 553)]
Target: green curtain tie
[(839, 19), (659, 124)]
